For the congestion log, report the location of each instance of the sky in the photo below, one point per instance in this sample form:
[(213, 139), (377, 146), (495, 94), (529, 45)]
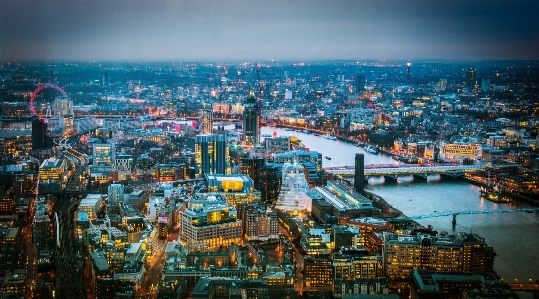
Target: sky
[(219, 30)]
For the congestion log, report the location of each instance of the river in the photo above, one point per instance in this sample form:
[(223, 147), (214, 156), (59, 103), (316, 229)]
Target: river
[(512, 235)]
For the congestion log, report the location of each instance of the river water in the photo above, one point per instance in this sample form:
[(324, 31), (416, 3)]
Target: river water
[(514, 235)]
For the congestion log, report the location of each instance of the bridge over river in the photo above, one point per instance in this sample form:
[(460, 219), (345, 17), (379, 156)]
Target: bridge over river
[(403, 170)]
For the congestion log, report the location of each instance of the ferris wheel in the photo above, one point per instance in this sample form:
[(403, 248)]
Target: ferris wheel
[(40, 88)]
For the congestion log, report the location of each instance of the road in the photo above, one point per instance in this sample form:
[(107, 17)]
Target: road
[(298, 258), (69, 262), (152, 277)]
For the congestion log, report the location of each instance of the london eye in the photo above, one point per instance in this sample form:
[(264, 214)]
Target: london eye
[(40, 88)]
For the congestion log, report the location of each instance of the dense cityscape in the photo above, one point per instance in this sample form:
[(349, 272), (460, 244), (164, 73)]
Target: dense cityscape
[(314, 179)]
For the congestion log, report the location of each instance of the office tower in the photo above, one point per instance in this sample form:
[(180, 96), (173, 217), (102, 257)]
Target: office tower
[(39, 134), (252, 166), (270, 183), (470, 79), (106, 79), (408, 65), (359, 174), (251, 121), (360, 84), (442, 85), (116, 194), (212, 155), (63, 105), (294, 186), (206, 121), (41, 232), (10, 248), (104, 154), (485, 85), (261, 225)]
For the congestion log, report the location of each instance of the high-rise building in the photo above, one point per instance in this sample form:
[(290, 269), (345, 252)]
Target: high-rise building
[(470, 79), (206, 121), (359, 85), (39, 135), (251, 121), (63, 105), (485, 85), (211, 154), (41, 232), (104, 154), (116, 194), (359, 173), (106, 79)]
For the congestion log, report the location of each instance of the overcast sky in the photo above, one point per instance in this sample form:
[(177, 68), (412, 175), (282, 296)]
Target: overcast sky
[(271, 29)]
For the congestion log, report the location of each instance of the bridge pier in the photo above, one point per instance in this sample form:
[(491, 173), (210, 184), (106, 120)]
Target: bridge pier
[(376, 180), (405, 178)]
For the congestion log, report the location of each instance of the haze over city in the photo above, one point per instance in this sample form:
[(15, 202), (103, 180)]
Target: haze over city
[(265, 30)]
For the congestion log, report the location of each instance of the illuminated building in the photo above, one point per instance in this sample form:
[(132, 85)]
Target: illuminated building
[(363, 286), (352, 264), (485, 85), (206, 121), (213, 225), (229, 183), (144, 166), (230, 287), (104, 154), (7, 205), (317, 272), (91, 204), (315, 158), (262, 225), (170, 172), (461, 151), (123, 163), (212, 155), (252, 166), (63, 105), (251, 121), (221, 108), (278, 144), (53, 173), (269, 183), (402, 254), (116, 194), (41, 232), (9, 246), (293, 196)]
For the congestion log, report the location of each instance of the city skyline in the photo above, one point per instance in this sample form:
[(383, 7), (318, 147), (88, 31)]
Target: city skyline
[(265, 30)]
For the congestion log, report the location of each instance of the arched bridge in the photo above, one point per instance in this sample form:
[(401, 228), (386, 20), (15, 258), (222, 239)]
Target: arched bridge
[(415, 170)]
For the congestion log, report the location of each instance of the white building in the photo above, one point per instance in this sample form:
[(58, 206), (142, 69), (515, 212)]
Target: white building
[(293, 196), (459, 151)]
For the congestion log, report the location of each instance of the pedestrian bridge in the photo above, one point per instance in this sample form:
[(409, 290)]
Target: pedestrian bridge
[(445, 214), (406, 170)]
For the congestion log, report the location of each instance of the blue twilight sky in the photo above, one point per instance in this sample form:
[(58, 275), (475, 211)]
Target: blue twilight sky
[(271, 29)]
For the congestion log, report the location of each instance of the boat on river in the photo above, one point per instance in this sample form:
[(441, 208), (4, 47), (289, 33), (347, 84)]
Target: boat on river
[(371, 149), (330, 137)]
